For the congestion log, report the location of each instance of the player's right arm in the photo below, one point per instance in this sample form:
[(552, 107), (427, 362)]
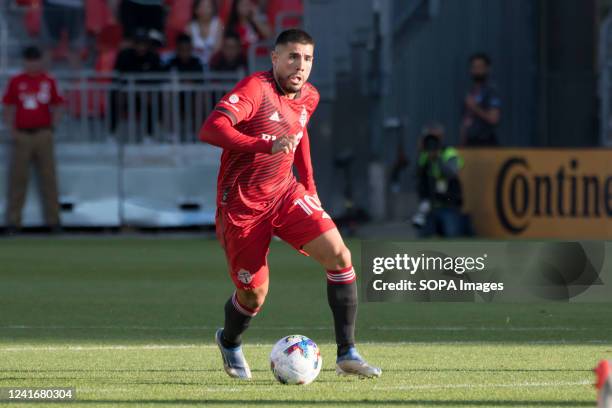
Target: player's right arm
[(219, 131), (238, 105)]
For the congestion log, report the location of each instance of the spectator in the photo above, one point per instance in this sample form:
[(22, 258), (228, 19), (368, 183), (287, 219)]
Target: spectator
[(439, 187), (206, 29), (184, 60), (144, 15), (31, 111), (140, 57), (482, 106), (230, 58), (250, 25), (64, 16)]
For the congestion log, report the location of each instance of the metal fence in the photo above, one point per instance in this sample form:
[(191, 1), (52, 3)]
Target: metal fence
[(136, 108)]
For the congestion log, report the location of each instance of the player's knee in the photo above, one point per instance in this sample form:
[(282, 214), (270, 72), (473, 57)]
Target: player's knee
[(339, 258), (344, 258), (254, 299)]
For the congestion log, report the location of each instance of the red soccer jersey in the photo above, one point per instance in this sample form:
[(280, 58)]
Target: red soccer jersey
[(251, 180), (32, 96)]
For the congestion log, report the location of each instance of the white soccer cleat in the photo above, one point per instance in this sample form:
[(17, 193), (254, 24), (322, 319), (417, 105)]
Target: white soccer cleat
[(352, 363), (234, 363)]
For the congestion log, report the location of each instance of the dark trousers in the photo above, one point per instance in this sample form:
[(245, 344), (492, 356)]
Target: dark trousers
[(445, 221), (35, 147)]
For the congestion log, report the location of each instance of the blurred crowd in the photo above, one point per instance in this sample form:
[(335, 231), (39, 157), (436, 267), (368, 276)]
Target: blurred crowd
[(155, 35)]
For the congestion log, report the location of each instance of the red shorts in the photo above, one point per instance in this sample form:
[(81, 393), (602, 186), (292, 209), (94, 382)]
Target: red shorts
[(298, 218)]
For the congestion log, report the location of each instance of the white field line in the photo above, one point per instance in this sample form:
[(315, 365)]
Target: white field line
[(375, 388), (472, 385), (318, 328), (177, 328), (120, 347), (436, 386), (124, 391), (108, 347), (501, 329)]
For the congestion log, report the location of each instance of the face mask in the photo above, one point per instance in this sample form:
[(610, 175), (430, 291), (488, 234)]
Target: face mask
[(479, 78)]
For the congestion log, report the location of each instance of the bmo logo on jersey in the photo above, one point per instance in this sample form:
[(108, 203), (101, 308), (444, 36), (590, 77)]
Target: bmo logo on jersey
[(268, 137)]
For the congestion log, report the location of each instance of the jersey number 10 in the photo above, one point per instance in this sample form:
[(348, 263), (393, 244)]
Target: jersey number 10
[(309, 203)]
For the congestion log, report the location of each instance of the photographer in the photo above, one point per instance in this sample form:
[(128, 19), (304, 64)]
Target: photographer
[(439, 187)]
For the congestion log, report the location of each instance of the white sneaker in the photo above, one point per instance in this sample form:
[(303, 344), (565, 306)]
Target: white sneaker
[(352, 363), (234, 363)]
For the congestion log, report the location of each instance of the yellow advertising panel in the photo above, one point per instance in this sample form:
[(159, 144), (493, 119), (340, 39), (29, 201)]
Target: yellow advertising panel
[(539, 193)]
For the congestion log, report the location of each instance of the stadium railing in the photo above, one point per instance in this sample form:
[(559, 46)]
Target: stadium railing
[(136, 108)]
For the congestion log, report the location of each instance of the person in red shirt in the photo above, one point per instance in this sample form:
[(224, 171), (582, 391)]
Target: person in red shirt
[(31, 109), (261, 126)]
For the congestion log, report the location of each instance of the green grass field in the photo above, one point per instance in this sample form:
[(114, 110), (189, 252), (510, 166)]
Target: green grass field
[(130, 322)]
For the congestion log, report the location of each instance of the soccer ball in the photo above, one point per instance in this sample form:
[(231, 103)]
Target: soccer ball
[(295, 359)]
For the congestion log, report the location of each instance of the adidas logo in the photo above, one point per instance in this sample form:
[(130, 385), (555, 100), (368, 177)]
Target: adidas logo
[(275, 117)]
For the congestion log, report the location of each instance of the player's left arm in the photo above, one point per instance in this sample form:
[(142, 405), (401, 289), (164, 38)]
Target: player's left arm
[(303, 164)]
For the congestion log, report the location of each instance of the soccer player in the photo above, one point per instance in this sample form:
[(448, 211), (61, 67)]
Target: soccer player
[(261, 126)]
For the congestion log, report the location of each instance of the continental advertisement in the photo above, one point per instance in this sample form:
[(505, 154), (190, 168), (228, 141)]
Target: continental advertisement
[(539, 193)]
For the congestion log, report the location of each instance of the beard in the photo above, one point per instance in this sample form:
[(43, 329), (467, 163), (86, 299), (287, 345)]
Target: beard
[(287, 86)]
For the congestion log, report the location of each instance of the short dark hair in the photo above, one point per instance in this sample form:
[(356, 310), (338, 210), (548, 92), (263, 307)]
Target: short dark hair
[(31, 53), (294, 35), (183, 39), (482, 56)]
